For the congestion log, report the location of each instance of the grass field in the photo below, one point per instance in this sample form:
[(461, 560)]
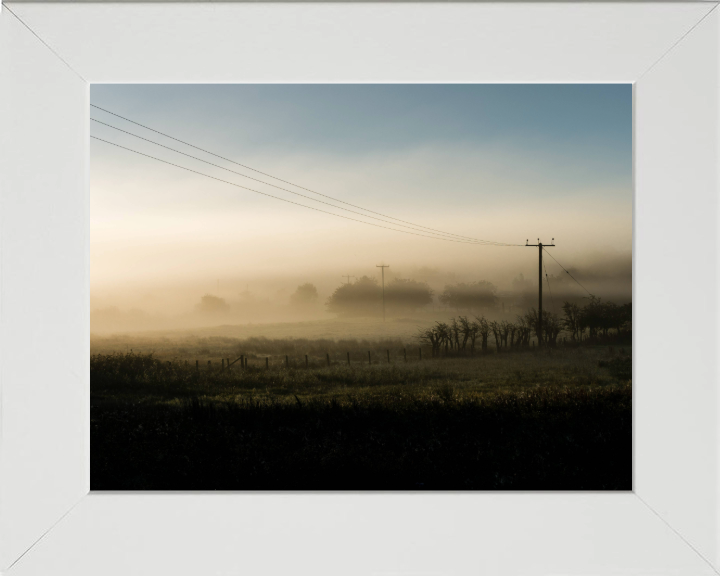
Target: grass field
[(536, 419), (332, 330)]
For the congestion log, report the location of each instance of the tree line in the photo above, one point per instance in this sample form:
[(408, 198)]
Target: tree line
[(592, 322), (364, 297)]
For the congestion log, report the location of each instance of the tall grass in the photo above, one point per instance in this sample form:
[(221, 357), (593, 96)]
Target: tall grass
[(145, 378), (545, 419), (539, 440)]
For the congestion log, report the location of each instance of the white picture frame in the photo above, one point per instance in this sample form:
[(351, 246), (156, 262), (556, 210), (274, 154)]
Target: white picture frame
[(51, 524)]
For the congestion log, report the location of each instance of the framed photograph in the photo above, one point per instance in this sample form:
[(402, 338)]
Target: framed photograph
[(189, 384)]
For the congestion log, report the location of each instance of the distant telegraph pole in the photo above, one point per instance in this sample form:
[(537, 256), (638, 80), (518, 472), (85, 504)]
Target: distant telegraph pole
[(382, 267), (540, 246), (348, 277)]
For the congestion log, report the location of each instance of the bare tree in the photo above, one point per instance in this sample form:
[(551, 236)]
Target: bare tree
[(495, 327), (572, 321), (504, 331), (524, 330), (465, 330), (455, 334), (512, 329), (552, 326), (592, 317), (474, 330), (531, 318), (484, 330), (432, 337), (443, 332)]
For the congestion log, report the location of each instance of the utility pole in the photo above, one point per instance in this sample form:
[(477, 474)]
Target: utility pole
[(540, 247), (382, 267), (348, 277)]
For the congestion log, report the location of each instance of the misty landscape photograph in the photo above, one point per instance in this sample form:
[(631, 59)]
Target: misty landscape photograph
[(361, 287)]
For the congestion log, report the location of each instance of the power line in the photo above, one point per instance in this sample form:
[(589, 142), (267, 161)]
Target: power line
[(417, 229), (288, 201), (291, 183), (568, 273), (540, 246)]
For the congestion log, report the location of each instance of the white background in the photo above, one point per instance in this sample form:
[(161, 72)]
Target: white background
[(48, 523)]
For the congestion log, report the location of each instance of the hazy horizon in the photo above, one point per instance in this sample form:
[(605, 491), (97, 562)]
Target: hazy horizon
[(497, 162)]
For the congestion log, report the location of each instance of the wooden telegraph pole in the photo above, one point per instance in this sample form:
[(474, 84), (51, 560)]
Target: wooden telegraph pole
[(540, 247), (348, 278), (383, 266)]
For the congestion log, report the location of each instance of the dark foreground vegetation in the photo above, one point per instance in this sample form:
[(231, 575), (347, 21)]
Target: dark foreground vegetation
[(540, 440), (533, 419)]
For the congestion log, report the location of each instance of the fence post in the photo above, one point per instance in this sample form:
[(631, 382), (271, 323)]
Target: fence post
[(328, 358), (228, 363), (388, 354), (209, 366), (287, 361), (222, 365), (369, 360), (197, 365), (419, 353), (306, 361), (405, 354), (348, 354), (267, 362), (246, 362)]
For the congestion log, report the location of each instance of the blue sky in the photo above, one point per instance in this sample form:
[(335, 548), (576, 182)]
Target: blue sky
[(499, 162), (583, 129)]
